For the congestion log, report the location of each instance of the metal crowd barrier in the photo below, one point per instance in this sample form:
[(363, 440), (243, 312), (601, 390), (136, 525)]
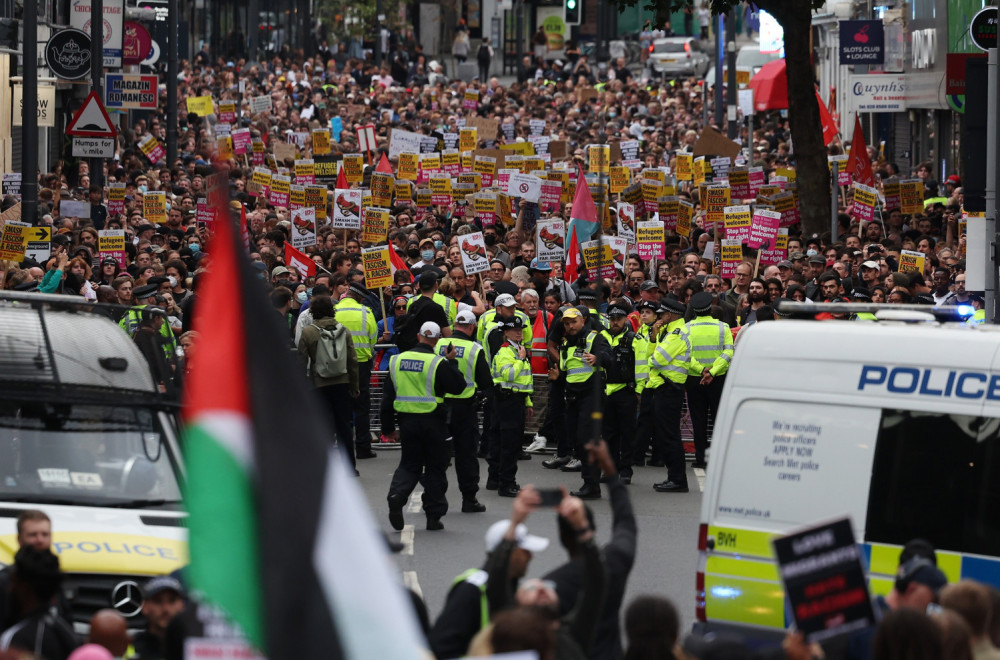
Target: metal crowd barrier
[(539, 398)]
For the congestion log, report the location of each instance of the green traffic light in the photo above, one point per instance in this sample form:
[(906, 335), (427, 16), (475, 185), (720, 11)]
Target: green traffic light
[(570, 4)]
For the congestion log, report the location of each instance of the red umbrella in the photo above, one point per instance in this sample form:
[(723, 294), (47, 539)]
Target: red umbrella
[(770, 87)]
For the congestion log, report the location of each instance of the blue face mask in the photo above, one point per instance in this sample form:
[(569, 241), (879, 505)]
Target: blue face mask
[(302, 297), (427, 255), (143, 188), (612, 115), (438, 245), (309, 292), (194, 247)]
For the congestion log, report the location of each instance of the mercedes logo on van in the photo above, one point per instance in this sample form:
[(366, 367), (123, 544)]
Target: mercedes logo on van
[(126, 597)]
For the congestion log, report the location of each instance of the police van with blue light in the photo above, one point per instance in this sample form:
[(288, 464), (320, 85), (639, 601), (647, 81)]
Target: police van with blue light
[(88, 438), (895, 424)]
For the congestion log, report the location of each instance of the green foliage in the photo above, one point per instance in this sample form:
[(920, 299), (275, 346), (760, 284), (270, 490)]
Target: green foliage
[(355, 18)]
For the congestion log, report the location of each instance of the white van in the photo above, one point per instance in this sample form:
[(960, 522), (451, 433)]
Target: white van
[(86, 437), (894, 425)]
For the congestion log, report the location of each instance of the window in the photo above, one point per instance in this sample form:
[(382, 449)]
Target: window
[(936, 476)]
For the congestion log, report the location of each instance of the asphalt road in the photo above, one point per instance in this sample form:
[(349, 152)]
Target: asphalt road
[(665, 563)]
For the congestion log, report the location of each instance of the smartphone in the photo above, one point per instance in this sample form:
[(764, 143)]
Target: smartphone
[(202, 224), (550, 497)]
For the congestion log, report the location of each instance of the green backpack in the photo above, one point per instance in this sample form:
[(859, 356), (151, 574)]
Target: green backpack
[(331, 352)]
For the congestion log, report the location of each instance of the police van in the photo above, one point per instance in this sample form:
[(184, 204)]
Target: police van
[(895, 425), (86, 437)]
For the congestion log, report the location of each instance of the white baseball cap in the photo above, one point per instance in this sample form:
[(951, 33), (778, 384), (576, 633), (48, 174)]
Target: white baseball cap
[(430, 329), (505, 300), (496, 532), (465, 317)]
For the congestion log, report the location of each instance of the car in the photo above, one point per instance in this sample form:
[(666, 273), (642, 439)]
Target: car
[(675, 57)]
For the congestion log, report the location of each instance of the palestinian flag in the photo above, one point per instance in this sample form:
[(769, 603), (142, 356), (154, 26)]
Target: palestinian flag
[(281, 538), (583, 212)]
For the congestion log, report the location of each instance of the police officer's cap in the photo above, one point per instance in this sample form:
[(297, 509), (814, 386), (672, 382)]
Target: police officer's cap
[(646, 304), (701, 302), (977, 296), (358, 288), (861, 294), (671, 305), (428, 276), (587, 294), (512, 323), (619, 309), (146, 291)]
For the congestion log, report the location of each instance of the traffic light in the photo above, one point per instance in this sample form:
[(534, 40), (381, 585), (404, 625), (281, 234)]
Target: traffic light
[(574, 11)]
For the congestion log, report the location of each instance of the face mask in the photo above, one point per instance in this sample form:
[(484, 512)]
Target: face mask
[(811, 253), (309, 292), (413, 254), (143, 188), (194, 247), (173, 281), (612, 115), (427, 255), (168, 206), (302, 297), (438, 245), (490, 239)]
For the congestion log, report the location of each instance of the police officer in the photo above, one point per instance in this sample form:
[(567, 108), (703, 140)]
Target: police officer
[(588, 298), (462, 422), (512, 389), (711, 353), (504, 308), (669, 360), (619, 413), (360, 320), (647, 383), (583, 355), (145, 296), (419, 379)]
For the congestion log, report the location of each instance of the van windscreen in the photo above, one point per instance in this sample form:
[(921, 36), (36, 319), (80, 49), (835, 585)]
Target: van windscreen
[(936, 476)]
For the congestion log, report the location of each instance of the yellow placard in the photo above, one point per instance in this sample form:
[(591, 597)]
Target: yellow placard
[(619, 179), (685, 211), (911, 196), (378, 268), (382, 187), (786, 172), (354, 168), (321, 142), (430, 162), (467, 138), (910, 261), (200, 105), (154, 206), (316, 197), (520, 148), (407, 166), (14, 240), (376, 226), (600, 158), (404, 191), (451, 159), (224, 144), (684, 165), (297, 196)]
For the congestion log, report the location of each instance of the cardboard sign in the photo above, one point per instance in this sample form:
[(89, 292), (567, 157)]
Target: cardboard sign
[(821, 570), (475, 259), (625, 215), (764, 229), (551, 243), (347, 209), (14, 240), (154, 206), (259, 104), (303, 227), (865, 198), (713, 143), (650, 239), (201, 106), (378, 267), (400, 141), (376, 225), (911, 261)]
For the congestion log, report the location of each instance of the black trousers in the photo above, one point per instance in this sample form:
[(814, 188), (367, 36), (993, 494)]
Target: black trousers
[(506, 447), (702, 401), (337, 402), (645, 430), (668, 402), (619, 428), (423, 459), (554, 428), (580, 429), (462, 426), (362, 410)]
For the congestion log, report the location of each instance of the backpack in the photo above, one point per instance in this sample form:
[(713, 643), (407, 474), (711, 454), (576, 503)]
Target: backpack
[(331, 352)]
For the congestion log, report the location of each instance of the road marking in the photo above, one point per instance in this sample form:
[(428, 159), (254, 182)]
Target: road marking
[(411, 583), (406, 538), (700, 474), (415, 503)]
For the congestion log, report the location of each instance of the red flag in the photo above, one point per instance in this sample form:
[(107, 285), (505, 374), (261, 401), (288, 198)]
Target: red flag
[(397, 263), (573, 261), (829, 126), (299, 261), (583, 213), (342, 183), (383, 165), (858, 164)]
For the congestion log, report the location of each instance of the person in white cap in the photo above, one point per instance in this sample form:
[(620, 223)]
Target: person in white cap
[(466, 610), (462, 422), (419, 379)]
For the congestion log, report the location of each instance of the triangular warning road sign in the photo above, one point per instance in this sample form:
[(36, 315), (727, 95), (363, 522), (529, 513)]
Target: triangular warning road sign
[(91, 120)]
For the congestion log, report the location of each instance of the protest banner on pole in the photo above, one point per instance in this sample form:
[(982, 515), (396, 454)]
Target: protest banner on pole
[(378, 267), (732, 255), (111, 243), (625, 215), (303, 227), (598, 259), (551, 244), (737, 221), (764, 229), (650, 239), (347, 209), (376, 225)]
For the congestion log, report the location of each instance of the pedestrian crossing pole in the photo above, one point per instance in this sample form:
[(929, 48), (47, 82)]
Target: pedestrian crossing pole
[(992, 179)]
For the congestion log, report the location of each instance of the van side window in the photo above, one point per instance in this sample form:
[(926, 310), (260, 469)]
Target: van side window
[(936, 476)]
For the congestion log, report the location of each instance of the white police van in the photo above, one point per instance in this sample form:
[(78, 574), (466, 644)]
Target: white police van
[(895, 425), (86, 437)]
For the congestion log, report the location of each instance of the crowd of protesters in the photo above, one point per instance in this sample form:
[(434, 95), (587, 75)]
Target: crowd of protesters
[(580, 105)]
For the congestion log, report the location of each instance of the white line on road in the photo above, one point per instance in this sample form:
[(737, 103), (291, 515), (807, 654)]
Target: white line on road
[(700, 474), (410, 582), (406, 538), (415, 503)]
